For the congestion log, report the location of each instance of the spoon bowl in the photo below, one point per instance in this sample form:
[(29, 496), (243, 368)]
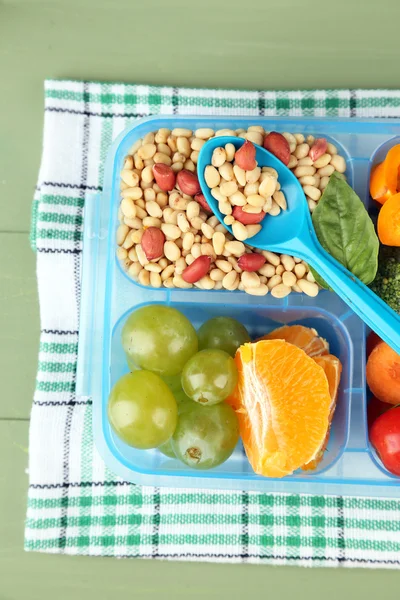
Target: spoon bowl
[(292, 232), (277, 231)]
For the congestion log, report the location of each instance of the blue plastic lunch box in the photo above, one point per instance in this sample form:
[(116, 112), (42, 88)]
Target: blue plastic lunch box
[(350, 465)]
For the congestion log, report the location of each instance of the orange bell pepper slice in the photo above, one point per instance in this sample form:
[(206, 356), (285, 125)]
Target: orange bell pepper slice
[(385, 177), (389, 222)]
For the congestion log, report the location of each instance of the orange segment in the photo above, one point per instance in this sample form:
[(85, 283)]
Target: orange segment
[(333, 370), (305, 338), (283, 404)]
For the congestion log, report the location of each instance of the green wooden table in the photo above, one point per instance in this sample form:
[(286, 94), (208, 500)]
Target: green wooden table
[(239, 44)]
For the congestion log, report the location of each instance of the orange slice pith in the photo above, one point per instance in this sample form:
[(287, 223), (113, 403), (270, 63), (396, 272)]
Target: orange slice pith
[(333, 370), (305, 338), (280, 436)]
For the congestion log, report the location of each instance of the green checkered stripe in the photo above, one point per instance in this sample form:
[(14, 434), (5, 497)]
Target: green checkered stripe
[(75, 504)]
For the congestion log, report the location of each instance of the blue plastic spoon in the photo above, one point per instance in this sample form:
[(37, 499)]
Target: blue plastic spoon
[(292, 232)]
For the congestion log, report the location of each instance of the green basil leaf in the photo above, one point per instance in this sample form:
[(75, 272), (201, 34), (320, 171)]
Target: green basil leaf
[(345, 230)]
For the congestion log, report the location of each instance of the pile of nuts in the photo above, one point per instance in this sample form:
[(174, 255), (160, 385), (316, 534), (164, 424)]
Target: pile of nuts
[(245, 192), (168, 236)]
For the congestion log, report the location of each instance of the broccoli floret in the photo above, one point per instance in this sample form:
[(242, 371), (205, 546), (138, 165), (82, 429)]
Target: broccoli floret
[(387, 281)]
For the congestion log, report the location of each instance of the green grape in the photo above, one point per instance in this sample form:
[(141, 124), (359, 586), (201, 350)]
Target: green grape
[(222, 333), (209, 376), (159, 338), (166, 449), (205, 436), (173, 382), (142, 410)]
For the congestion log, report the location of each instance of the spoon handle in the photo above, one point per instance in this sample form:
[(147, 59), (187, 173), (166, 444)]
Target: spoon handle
[(367, 305)]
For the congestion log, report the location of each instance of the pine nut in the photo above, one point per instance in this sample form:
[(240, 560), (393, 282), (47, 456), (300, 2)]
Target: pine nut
[(132, 254), (122, 253), (226, 172), (256, 200), (196, 250), (183, 223), (293, 162), (312, 192), (153, 209), (197, 144), (229, 220), (216, 193), (181, 283), (280, 199), (134, 270), (204, 133), (261, 290), (224, 265), (275, 280), (177, 202), (207, 230), (161, 158), (228, 188), (182, 132), (220, 228), (300, 270), (253, 230), (169, 283), (253, 176), (280, 291), (230, 281), (236, 248), (207, 250), (189, 165), (230, 151), (323, 183), (224, 132), (183, 145), (167, 272), (139, 164), (149, 195), (212, 176), (268, 205), (155, 280), (239, 231), (267, 270), (206, 283), (171, 251), (152, 222), (305, 162), (310, 277), (225, 207), (289, 279), (299, 137), (135, 223), (128, 208), (302, 171), (176, 167), (250, 280), (338, 163), (147, 151), (272, 258), (302, 151), (279, 270), (311, 205), (194, 156), (122, 232), (189, 259), (240, 175), (255, 136), (308, 180), (275, 210), (153, 268), (309, 288), (180, 265), (267, 186), (172, 232), (188, 240), (135, 193), (252, 210), (217, 275), (251, 189), (218, 157), (137, 235), (295, 288), (129, 177), (193, 209), (270, 170), (331, 148), (326, 171), (291, 140), (322, 161)]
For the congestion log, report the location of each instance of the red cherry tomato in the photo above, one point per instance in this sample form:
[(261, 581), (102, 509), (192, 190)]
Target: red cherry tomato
[(385, 438), (375, 409), (372, 341)]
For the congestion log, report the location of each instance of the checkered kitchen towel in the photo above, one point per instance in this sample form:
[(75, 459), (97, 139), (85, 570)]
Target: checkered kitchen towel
[(75, 504)]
